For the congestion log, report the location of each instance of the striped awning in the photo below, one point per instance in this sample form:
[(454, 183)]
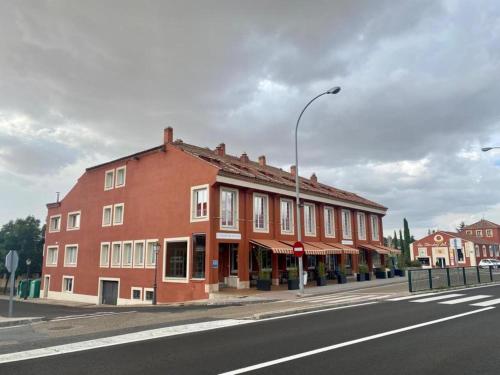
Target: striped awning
[(308, 248), (273, 245), (377, 249), (327, 249), (389, 249), (344, 248)]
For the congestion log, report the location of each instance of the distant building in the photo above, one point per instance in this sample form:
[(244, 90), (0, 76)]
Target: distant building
[(211, 213)]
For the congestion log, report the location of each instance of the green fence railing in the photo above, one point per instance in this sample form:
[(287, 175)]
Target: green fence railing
[(442, 278)]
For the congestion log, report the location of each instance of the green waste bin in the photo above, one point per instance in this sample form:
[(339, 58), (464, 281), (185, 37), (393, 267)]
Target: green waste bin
[(23, 289), (35, 288)]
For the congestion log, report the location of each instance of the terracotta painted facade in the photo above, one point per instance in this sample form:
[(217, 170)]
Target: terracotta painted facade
[(197, 254)]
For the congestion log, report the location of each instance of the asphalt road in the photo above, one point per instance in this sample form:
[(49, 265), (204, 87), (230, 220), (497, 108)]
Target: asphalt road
[(462, 345)]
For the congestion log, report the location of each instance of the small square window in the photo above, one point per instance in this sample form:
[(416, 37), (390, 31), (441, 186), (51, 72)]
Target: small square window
[(148, 295), (55, 223), (137, 294), (68, 284), (73, 221)]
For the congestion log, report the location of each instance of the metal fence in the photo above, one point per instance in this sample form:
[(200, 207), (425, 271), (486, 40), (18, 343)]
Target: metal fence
[(442, 278)]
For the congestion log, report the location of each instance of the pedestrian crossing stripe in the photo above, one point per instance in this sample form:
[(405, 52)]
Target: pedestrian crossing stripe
[(465, 299), (487, 303), (437, 298)]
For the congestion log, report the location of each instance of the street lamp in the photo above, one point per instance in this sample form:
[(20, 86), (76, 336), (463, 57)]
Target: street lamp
[(28, 262), (156, 249), (333, 90), (486, 149)]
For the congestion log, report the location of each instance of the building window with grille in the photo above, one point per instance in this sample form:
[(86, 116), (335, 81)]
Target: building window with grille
[(104, 258), (176, 260), (138, 254), (51, 256), (107, 215), (229, 209), (151, 253), (375, 228), (73, 220), (329, 222), (116, 254), (120, 176), (68, 284), (309, 219), (346, 224), (70, 255), (361, 226), (260, 213), (118, 214), (55, 223), (127, 254), (109, 179), (199, 251), (286, 214), (199, 203)]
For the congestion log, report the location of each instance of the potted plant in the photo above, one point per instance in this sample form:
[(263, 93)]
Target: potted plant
[(380, 273), (340, 274), (293, 279), (264, 280), (363, 273), (389, 268), (401, 267), (321, 279)]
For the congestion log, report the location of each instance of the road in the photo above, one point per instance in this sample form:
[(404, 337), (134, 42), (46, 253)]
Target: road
[(442, 336)]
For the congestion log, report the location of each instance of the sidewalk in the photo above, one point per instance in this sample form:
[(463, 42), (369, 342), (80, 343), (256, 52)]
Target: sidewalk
[(10, 322)]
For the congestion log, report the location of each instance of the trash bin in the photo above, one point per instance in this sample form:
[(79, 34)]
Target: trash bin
[(35, 288), (23, 289), (305, 278)]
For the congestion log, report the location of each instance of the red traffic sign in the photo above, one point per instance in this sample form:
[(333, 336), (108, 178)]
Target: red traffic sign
[(298, 249)]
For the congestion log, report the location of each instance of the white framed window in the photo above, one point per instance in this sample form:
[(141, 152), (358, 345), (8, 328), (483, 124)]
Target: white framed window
[(476, 247), (116, 254), (55, 223), (148, 294), (70, 255), (127, 255), (121, 174), (109, 179), (375, 228), (260, 213), (107, 216), (329, 217), (139, 254), (489, 232), (361, 225), (104, 257), (346, 224), (229, 208), (286, 216), (484, 251), (118, 213), (68, 284), (136, 293), (51, 260), (479, 233), (176, 259), (309, 219), (468, 232), (73, 220), (199, 203), (151, 253)]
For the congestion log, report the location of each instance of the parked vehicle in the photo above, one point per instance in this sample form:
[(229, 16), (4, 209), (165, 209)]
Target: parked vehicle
[(487, 263)]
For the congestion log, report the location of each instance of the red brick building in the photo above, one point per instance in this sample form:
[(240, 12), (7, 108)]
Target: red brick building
[(486, 237), (210, 212)]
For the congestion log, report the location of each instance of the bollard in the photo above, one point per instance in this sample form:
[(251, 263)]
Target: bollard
[(430, 278), (448, 277)]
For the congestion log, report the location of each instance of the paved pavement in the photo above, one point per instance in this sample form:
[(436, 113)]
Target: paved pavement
[(450, 332)]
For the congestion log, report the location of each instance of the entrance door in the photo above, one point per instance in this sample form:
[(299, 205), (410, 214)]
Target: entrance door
[(228, 262), (46, 286), (441, 262), (109, 292)]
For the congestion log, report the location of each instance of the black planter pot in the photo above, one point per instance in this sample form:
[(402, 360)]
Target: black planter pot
[(380, 275), (390, 274), (321, 281), (264, 285), (401, 273), (361, 276), (293, 284), (341, 279), (367, 276)]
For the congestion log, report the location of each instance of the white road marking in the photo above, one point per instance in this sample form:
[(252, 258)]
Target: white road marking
[(437, 298), (465, 299), (491, 302), (349, 343), (92, 315), (411, 297), (314, 311)]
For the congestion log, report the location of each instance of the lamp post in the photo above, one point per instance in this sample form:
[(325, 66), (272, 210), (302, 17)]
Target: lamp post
[(486, 149), (28, 262), (333, 90), (156, 249)]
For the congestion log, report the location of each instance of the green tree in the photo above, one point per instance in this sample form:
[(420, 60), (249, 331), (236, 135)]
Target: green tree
[(461, 226), (395, 240), (402, 244), (408, 239)]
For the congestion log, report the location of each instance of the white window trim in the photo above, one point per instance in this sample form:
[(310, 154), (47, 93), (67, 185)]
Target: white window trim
[(237, 213), (292, 217), (332, 209), (132, 289), (131, 243), (122, 205), (102, 265), (124, 168), (72, 284), (313, 213), (489, 232), (349, 236), (110, 216), (76, 260), (266, 214), (113, 179), (144, 294), (50, 221), (111, 254), (68, 228), (479, 233), (378, 227), (181, 280), (47, 264), (151, 240), (135, 265), (192, 208), (360, 215)]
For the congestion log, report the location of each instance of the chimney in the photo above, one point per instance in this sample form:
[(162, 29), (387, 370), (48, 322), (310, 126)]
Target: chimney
[(244, 158), (262, 160), (314, 178), (168, 135), (221, 149), (293, 170)]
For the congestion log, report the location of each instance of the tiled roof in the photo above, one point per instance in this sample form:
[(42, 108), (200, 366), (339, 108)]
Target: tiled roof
[(482, 224), (476, 240), (249, 170)]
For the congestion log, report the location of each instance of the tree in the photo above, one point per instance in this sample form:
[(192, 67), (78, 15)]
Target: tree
[(402, 244), (395, 240), (461, 226), (408, 238), (27, 238)]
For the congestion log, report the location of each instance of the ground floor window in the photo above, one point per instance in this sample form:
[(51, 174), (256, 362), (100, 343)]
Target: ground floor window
[(311, 261), (148, 294), (137, 294), (264, 258), (376, 259), (199, 243), (348, 261), (176, 260), (68, 284), (362, 256), (291, 261), (424, 261), (330, 263), (460, 255)]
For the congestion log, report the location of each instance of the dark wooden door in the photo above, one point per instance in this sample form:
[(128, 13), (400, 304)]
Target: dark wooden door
[(109, 292)]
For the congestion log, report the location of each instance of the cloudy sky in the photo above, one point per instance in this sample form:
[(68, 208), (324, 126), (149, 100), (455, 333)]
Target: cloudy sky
[(84, 82)]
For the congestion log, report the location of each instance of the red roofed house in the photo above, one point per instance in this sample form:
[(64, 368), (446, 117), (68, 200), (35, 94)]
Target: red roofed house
[(210, 212)]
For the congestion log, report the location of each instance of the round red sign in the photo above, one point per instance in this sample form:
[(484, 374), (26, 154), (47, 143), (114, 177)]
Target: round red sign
[(298, 249)]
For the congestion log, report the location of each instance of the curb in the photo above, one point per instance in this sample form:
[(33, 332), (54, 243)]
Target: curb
[(11, 322)]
